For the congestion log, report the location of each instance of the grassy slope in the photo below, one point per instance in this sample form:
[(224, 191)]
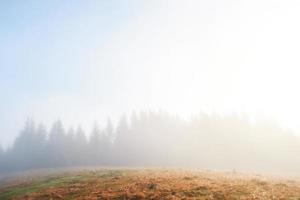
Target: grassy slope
[(151, 184)]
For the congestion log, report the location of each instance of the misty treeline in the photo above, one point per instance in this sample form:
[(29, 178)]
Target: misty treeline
[(158, 139)]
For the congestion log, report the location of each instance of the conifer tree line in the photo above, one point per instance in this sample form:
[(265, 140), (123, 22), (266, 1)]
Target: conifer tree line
[(158, 139)]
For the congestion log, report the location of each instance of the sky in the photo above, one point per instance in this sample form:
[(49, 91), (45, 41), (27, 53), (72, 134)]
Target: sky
[(84, 61)]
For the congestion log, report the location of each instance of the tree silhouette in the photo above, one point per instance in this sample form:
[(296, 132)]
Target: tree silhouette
[(95, 146), (106, 144), (81, 145), (158, 139), (122, 142), (2, 154), (56, 146)]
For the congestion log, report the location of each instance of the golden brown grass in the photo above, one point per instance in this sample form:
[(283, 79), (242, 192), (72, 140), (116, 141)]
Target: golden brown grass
[(154, 184)]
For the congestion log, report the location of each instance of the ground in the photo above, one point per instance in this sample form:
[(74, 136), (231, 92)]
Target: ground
[(148, 184)]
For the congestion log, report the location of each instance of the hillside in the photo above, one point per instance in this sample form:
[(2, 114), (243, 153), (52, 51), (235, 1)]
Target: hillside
[(148, 184)]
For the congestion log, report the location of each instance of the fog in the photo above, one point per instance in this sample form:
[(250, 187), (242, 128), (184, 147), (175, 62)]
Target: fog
[(118, 56), (159, 139), (197, 61)]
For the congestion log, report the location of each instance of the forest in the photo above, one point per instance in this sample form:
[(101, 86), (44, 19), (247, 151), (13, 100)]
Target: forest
[(158, 139)]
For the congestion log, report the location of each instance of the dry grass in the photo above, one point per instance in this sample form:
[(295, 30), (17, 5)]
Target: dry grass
[(153, 184)]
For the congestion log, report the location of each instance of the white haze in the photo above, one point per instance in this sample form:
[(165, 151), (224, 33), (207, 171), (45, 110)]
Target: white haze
[(158, 139), (185, 57)]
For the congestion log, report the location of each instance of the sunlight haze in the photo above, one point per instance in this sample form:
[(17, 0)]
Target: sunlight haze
[(91, 60)]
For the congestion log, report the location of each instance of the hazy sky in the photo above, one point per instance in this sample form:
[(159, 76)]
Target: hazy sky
[(81, 61)]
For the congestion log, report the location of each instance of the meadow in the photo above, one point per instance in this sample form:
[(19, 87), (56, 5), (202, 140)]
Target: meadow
[(133, 183)]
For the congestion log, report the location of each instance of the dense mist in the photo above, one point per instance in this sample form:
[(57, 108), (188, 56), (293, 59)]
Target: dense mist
[(159, 139)]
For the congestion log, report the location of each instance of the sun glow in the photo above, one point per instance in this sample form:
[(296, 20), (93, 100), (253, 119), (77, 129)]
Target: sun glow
[(226, 60)]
